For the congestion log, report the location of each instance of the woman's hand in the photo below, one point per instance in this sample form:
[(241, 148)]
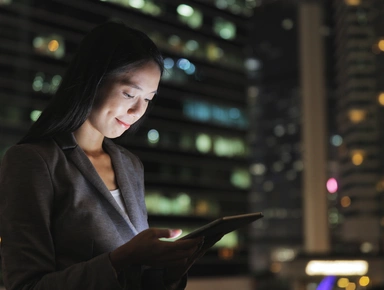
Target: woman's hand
[(176, 272), (147, 249)]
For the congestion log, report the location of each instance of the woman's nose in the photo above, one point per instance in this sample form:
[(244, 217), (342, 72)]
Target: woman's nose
[(138, 108)]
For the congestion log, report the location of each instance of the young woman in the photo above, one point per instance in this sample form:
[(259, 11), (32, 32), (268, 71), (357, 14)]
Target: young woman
[(72, 211)]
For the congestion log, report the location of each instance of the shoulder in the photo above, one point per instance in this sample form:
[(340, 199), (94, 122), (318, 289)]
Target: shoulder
[(30, 153)]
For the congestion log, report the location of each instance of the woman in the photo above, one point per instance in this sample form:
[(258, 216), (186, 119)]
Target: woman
[(72, 211)]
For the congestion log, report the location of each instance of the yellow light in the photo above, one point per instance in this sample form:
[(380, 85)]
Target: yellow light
[(364, 281), (381, 99), (337, 267), (342, 282), (357, 115), (357, 158), (53, 45), (345, 201), (380, 45), (350, 286), (353, 2)]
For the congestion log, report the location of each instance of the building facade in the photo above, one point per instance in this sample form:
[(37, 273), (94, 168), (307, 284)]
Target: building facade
[(193, 145)]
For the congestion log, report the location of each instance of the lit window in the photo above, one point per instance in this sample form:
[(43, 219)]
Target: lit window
[(168, 63), (252, 64), (343, 282), (52, 45), (257, 169), (44, 84), (192, 45), (153, 136), (380, 45), (333, 216), (5, 2), (357, 157), (214, 53), (381, 99), (35, 114), (203, 143), (352, 2), (223, 28), (190, 16), (364, 281), (345, 201), (241, 178), (336, 140), (366, 247), (145, 6), (287, 24), (357, 115)]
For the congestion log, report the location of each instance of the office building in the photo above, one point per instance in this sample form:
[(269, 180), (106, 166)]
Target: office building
[(193, 145)]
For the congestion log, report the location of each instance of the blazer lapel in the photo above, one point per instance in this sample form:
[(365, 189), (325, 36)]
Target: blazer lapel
[(82, 162), (126, 180)]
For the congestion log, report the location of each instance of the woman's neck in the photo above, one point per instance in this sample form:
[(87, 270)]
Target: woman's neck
[(90, 141)]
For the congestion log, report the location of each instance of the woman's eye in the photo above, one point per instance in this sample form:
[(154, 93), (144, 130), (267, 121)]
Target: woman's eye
[(128, 95)]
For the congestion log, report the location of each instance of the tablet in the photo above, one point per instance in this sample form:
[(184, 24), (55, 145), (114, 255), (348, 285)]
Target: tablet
[(224, 225)]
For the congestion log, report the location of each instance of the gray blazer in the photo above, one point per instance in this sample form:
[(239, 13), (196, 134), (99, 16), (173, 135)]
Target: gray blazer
[(58, 221)]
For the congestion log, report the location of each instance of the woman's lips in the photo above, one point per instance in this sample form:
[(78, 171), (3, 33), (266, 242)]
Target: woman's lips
[(125, 125)]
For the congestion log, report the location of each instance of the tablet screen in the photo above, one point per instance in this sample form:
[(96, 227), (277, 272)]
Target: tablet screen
[(224, 225)]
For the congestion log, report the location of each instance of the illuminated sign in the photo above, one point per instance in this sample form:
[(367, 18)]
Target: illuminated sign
[(337, 267)]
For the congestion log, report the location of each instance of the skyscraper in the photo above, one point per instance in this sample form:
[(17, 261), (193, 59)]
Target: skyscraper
[(193, 144), (358, 30)]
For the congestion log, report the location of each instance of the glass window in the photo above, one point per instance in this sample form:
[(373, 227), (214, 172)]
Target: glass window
[(51, 45), (224, 28), (190, 16)]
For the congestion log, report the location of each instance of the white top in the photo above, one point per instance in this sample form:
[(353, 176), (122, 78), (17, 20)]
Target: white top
[(119, 199)]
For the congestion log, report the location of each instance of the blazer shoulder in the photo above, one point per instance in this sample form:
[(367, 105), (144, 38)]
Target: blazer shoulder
[(42, 149)]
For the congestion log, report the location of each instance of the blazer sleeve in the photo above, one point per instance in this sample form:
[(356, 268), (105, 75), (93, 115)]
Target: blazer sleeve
[(27, 247)]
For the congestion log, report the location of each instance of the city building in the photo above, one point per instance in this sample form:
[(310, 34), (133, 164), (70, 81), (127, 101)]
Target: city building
[(194, 143)]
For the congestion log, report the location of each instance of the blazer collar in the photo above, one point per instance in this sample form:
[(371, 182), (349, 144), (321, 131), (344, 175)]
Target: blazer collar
[(68, 144)]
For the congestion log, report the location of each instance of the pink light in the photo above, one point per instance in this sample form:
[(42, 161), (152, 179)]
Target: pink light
[(332, 185)]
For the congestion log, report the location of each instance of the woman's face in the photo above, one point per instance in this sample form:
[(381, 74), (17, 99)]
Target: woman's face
[(124, 100)]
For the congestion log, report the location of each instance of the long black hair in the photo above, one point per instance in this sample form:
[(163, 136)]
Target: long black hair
[(109, 49)]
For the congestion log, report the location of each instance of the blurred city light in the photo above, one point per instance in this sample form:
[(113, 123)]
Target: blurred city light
[(345, 201), (153, 136), (332, 185), (353, 2), (381, 99), (357, 157), (350, 286), (364, 281), (287, 24), (35, 114), (168, 63), (357, 115), (381, 44), (337, 267), (336, 140), (138, 4), (342, 282), (185, 10), (53, 45)]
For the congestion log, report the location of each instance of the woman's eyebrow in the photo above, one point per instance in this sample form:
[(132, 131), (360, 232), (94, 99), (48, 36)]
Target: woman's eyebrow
[(133, 85)]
